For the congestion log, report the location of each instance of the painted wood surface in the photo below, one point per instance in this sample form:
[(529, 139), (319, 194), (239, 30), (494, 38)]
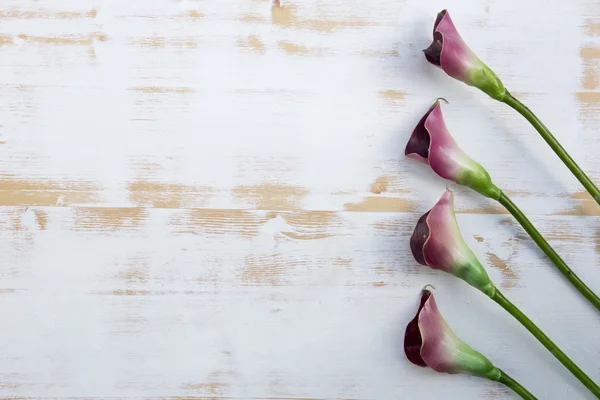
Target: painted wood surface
[(209, 199)]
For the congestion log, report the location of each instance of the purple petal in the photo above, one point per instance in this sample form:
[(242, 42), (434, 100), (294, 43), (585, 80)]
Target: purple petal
[(418, 239), (443, 351), (419, 141), (446, 250), (439, 347), (412, 336), (431, 143), (438, 19), (445, 247), (450, 52), (445, 157), (456, 58), (434, 51)]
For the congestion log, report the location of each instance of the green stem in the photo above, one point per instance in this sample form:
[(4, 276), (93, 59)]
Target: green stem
[(515, 386), (549, 251), (554, 144), (499, 298)]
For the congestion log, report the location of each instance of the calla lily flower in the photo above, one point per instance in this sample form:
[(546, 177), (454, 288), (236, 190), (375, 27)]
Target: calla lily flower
[(429, 342), (450, 52), (437, 243), (431, 143)]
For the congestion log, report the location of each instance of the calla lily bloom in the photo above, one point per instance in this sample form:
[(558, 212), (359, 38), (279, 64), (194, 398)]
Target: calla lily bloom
[(437, 243), (429, 342), (450, 52), (431, 143)]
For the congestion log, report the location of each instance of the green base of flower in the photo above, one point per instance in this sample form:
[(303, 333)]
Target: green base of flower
[(475, 275), (470, 361), (483, 78), (478, 179)]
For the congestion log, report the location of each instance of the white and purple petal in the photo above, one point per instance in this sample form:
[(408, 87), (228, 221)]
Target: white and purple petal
[(432, 143), (445, 248), (437, 243), (430, 342), (449, 51), (456, 58), (445, 157), (439, 348)]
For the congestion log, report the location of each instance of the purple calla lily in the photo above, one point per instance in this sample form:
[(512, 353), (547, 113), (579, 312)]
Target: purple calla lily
[(437, 243), (429, 342), (450, 52), (431, 143)]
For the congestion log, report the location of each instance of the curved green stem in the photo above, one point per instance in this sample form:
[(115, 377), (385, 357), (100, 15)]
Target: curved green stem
[(554, 144), (499, 298), (515, 386), (549, 251)]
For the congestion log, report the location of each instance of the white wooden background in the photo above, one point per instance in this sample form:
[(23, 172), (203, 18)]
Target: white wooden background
[(208, 199)]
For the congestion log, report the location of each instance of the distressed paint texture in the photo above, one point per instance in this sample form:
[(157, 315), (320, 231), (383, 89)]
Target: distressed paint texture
[(209, 200)]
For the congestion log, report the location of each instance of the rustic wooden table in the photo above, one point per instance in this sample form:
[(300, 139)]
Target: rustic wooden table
[(209, 199)]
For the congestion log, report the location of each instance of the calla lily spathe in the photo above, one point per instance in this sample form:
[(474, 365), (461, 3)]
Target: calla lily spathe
[(437, 243), (431, 143), (429, 342), (450, 52)]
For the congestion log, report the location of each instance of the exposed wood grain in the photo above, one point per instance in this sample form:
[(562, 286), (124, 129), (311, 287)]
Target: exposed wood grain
[(380, 204), (271, 196), (590, 56), (64, 39), (16, 191), (47, 14)]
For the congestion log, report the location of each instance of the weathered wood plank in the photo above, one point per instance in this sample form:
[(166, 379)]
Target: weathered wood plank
[(204, 199)]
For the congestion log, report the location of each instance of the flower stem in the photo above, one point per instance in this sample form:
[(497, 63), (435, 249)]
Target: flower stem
[(499, 298), (515, 386), (549, 251), (554, 144)]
